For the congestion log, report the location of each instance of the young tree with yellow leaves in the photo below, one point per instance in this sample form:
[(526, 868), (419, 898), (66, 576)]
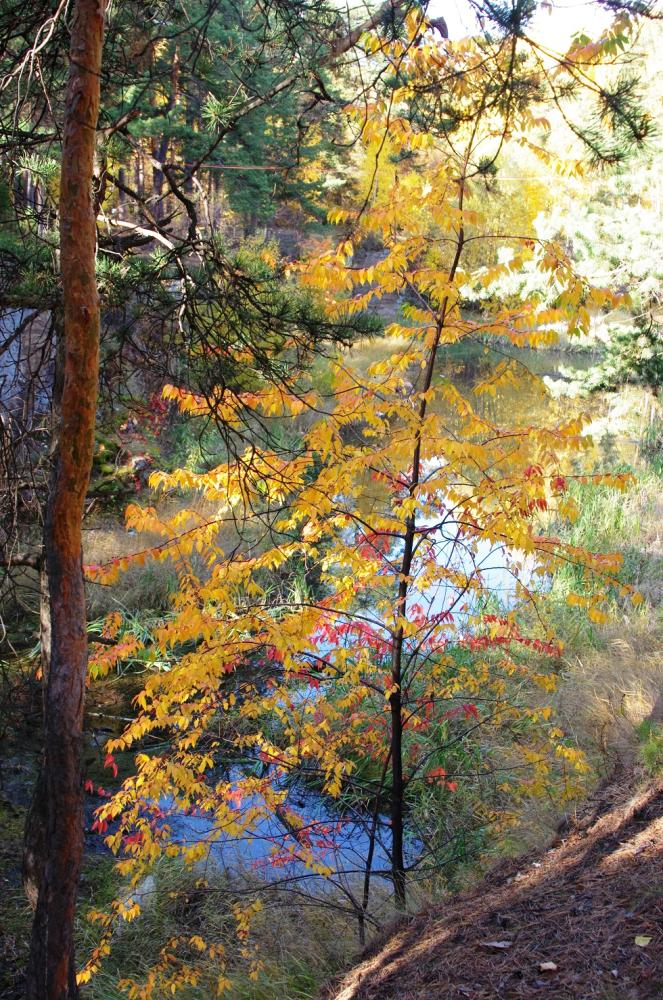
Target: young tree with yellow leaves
[(398, 506)]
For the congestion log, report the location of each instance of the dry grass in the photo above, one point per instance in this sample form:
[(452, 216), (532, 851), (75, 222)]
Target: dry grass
[(606, 692), (298, 945), (140, 588), (148, 587)]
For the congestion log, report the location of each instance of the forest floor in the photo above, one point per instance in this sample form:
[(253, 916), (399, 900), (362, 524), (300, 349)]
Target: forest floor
[(582, 919)]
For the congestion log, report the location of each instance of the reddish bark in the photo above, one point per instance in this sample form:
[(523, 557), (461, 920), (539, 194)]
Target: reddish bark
[(51, 969)]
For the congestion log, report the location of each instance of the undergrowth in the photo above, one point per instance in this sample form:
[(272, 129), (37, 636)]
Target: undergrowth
[(609, 675), (15, 913), (298, 946)]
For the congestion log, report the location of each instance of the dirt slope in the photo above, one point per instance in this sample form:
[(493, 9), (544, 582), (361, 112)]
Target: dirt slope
[(580, 905)]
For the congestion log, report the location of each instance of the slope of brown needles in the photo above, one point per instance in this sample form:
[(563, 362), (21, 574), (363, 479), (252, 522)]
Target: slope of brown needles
[(582, 920)]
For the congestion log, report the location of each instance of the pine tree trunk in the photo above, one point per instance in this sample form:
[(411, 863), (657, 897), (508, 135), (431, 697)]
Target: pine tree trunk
[(51, 968)]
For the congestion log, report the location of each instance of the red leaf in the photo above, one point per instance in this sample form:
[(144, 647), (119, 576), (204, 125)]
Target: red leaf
[(110, 762)]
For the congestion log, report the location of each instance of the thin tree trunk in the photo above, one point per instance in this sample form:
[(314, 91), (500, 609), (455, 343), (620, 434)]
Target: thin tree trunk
[(398, 782), (160, 150), (51, 966), (34, 843), (396, 697), (371, 851)]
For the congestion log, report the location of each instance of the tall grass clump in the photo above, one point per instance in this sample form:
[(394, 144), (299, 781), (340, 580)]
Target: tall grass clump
[(650, 734), (612, 675), (629, 522)]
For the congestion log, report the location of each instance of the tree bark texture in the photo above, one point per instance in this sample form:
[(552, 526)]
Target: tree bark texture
[(51, 966)]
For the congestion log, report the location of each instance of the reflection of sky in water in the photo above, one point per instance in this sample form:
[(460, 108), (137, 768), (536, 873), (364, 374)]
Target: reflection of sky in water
[(350, 832), (344, 848), (22, 355), (495, 567)]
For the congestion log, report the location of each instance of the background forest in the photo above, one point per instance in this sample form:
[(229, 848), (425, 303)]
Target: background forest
[(366, 488)]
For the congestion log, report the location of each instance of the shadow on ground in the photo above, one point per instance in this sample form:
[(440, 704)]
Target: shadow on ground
[(567, 920)]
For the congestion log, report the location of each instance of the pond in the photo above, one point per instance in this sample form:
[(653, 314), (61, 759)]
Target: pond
[(338, 838), (545, 392)]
